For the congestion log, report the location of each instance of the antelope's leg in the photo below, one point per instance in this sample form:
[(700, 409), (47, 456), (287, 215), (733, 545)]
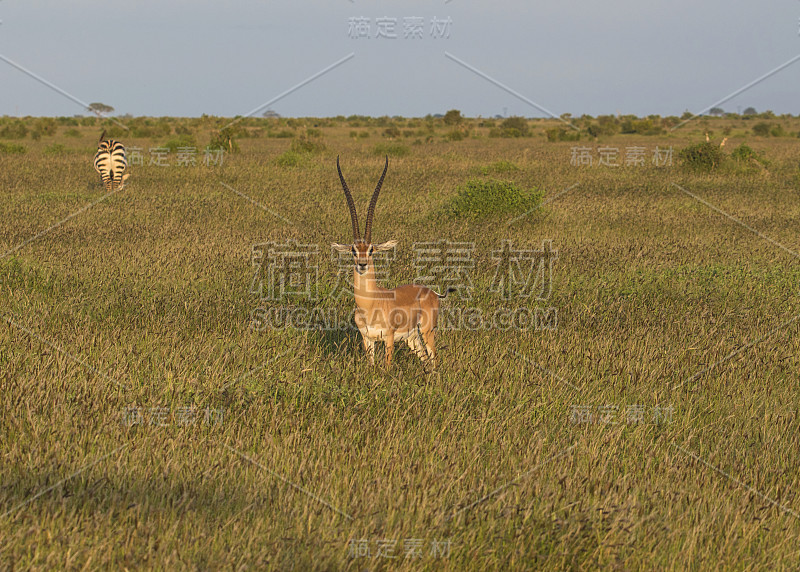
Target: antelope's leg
[(417, 345), (430, 346), (414, 342), (369, 344), (388, 342), (369, 347)]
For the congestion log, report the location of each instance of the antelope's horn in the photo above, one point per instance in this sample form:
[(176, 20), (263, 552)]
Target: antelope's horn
[(350, 204), (372, 203), (102, 135)]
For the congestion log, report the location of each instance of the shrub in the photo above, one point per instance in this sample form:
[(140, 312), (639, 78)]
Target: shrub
[(777, 131), (55, 149), (72, 133), (703, 156), (501, 166), (453, 117), (455, 135), (478, 198), (300, 149), (640, 126), (762, 129), (46, 126), (306, 145), (393, 149), (561, 134), (224, 139), (515, 127), (14, 130), (182, 141), (290, 159), (12, 148), (743, 153)]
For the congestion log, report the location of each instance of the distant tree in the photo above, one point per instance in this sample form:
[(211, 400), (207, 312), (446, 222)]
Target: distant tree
[(716, 111), (453, 117), (750, 111), (100, 108), (514, 126), (687, 115)]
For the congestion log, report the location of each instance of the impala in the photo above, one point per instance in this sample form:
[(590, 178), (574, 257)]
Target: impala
[(408, 312)]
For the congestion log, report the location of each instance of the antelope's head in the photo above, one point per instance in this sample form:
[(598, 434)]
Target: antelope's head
[(362, 249)]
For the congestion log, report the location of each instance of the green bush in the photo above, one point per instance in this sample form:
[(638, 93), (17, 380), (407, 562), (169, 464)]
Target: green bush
[(453, 117), (514, 127), (299, 151), (478, 197), (12, 148), (743, 153), (703, 156), (181, 141), (14, 130), (46, 126), (55, 149), (306, 145), (224, 139), (641, 126), (290, 158), (762, 129), (561, 134), (393, 149), (501, 166), (455, 135), (72, 133)]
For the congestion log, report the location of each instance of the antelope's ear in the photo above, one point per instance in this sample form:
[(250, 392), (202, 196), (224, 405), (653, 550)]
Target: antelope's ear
[(388, 245), (341, 247)]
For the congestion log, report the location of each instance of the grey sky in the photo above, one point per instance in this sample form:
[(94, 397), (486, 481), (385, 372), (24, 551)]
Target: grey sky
[(187, 58)]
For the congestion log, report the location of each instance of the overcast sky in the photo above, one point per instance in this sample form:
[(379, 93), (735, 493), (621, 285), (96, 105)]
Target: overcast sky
[(182, 58)]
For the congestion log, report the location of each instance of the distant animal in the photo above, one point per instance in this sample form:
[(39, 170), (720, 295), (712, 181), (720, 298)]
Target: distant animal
[(110, 162), (408, 312)]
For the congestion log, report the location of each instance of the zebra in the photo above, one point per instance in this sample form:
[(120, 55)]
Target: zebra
[(110, 162)]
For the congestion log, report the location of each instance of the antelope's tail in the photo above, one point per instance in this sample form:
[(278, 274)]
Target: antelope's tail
[(446, 292)]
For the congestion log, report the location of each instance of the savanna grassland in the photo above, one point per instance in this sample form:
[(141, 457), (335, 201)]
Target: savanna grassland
[(148, 421)]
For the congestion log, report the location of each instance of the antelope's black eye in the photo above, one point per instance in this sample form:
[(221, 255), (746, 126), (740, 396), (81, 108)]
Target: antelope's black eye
[(369, 251), (353, 250)]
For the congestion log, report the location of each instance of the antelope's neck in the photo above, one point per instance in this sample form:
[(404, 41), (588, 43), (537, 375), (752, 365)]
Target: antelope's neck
[(366, 289)]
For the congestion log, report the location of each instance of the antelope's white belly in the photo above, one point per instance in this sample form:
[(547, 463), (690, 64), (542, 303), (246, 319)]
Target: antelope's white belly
[(379, 334)]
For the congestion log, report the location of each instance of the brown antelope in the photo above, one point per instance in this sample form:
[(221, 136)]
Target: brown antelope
[(407, 312)]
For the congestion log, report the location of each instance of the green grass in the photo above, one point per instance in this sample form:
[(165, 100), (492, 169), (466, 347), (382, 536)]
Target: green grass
[(142, 300)]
